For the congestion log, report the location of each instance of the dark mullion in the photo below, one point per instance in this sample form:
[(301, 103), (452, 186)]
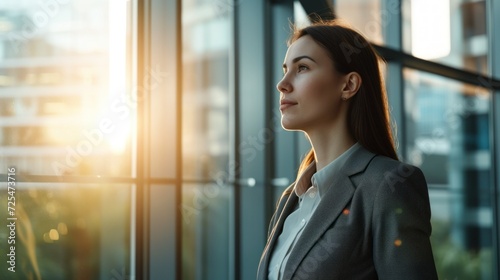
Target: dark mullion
[(318, 10), (416, 63), (493, 24), (268, 111), (141, 231), (237, 140)]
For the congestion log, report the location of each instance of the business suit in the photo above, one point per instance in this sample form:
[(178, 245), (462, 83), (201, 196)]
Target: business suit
[(372, 223)]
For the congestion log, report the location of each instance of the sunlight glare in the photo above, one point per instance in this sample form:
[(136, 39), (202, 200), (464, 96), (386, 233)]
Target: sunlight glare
[(430, 28), (117, 69)]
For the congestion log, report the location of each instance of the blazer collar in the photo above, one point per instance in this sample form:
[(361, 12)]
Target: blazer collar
[(331, 206)]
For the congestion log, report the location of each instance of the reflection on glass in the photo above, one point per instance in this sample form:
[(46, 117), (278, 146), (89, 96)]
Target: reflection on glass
[(64, 109), (69, 231), (366, 16), (205, 226), (448, 138), (452, 32), (206, 42)]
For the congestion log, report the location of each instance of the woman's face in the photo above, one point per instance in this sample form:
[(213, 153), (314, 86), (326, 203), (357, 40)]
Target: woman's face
[(311, 88)]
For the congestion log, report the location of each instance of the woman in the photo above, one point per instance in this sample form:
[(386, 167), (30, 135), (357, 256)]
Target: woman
[(355, 211)]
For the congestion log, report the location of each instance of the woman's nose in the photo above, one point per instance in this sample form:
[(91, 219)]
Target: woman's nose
[(284, 86)]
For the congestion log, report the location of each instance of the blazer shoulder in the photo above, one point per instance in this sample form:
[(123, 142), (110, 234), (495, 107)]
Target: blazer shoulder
[(385, 165), (390, 174)]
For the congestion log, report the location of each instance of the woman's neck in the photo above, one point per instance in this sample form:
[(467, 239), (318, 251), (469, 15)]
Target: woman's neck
[(329, 144)]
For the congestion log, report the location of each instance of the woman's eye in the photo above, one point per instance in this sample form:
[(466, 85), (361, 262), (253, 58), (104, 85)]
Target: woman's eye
[(302, 68)]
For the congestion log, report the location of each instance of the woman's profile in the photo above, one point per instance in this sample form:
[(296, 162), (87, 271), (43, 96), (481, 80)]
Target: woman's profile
[(355, 211)]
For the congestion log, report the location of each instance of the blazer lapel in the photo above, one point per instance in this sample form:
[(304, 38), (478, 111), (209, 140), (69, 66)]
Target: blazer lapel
[(331, 206)]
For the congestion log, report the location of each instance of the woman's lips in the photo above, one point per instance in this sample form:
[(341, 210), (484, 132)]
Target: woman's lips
[(286, 104)]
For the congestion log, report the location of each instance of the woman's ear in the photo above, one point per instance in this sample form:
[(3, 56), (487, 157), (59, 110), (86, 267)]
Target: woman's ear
[(352, 83)]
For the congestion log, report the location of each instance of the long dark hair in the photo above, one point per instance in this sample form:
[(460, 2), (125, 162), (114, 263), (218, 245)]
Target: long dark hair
[(368, 114)]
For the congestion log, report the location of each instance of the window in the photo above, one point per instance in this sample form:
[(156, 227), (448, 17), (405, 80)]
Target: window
[(66, 130), (451, 32), (448, 138), (206, 195)]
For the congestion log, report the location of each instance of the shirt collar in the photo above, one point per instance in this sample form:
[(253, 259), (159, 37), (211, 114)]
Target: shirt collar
[(323, 178), (304, 181)]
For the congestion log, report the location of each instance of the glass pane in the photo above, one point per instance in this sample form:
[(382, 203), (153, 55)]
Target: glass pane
[(365, 16), (205, 228), (448, 138), (206, 43), (447, 31), (300, 18), (162, 235), (64, 109), (67, 231)]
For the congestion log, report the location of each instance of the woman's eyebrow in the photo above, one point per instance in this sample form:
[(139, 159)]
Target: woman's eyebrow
[(295, 60)]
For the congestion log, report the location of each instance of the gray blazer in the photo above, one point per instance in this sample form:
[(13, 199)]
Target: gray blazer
[(372, 223)]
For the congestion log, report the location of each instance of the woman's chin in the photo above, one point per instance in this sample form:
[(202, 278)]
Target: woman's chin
[(289, 126)]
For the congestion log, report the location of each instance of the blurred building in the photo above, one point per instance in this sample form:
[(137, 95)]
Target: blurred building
[(55, 84)]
